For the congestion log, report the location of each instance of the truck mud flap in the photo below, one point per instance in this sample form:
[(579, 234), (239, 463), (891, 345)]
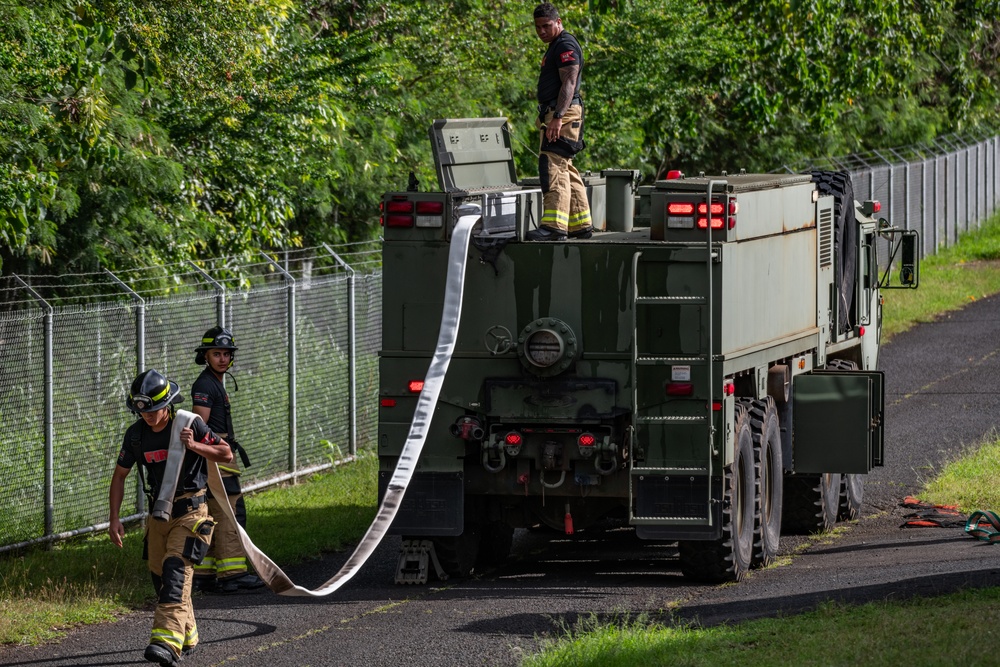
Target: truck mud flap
[(433, 505), (657, 497)]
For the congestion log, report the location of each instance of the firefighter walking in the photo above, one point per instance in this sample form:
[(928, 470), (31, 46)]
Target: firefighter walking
[(224, 569), (173, 545)]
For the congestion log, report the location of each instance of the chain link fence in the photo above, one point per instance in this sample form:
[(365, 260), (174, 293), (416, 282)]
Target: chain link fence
[(303, 386), (942, 189), (308, 325)]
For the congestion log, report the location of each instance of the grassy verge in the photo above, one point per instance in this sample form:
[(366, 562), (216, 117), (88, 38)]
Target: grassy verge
[(938, 631), (43, 593)]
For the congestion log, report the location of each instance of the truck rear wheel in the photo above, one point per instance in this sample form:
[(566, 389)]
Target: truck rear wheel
[(458, 555), (812, 503), (729, 558), (852, 494), (494, 544), (770, 476)]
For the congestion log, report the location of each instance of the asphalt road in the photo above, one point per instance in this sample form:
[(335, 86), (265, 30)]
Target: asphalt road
[(942, 397)]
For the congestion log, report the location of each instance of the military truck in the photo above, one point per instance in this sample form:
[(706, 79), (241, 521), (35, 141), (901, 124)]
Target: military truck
[(706, 372)]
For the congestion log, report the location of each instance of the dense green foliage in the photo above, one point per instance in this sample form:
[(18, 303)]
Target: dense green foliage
[(135, 132)]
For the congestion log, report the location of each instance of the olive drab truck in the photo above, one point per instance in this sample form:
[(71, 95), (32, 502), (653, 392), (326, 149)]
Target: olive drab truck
[(704, 369)]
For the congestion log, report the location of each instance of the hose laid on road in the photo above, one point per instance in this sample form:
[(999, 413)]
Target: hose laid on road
[(984, 525), (266, 569)]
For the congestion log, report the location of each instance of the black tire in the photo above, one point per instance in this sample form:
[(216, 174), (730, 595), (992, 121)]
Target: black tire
[(729, 558), (838, 184), (770, 475), (811, 503), (852, 496), (494, 544), (458, 555)]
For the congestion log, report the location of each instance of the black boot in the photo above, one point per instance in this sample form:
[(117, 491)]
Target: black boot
[(160, 654)]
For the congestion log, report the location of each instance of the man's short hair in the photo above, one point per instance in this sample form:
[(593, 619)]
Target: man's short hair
[(547, 10)]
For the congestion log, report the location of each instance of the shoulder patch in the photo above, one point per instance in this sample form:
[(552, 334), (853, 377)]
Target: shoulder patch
[(567, 57)]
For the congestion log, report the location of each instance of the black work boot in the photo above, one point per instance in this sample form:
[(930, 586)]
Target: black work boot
[(161, 654), (249, 581), (203, 585), (545, 234)]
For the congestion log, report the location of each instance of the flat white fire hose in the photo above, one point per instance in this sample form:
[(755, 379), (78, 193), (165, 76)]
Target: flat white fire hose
[(266, 569)]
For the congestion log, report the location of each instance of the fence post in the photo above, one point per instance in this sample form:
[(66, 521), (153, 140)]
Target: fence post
[(292, 367), (220, 295), (140, 359), (49, 419), (352, 351)]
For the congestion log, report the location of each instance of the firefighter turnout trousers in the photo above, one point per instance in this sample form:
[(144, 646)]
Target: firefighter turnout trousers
[(225, 558), (564, 194), (173, 548)]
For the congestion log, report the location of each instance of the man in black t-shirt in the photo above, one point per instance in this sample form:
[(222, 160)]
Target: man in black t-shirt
[(225, 567), (174, 545), (560, 119)]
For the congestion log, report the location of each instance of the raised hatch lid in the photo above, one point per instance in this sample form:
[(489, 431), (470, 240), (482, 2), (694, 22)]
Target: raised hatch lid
[(473, 154)]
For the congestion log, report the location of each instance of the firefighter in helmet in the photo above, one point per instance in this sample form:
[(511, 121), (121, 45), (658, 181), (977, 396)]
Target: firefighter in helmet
[(225, 567), (176, 544)]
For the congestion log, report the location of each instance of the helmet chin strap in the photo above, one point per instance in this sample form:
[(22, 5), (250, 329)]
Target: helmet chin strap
[(236, 386)]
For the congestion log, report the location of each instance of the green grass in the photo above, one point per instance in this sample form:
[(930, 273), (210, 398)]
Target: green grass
[(972, 481), (948, 630), (45, 592)]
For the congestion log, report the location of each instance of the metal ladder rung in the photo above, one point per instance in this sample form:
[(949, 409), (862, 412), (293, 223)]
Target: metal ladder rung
[(670, 521), (650, 360), (680, 419), (669, 471), (687, 300)]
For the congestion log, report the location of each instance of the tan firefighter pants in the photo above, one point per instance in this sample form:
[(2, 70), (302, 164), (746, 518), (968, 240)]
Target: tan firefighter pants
[(173, 548), (564, 195), (225, 557)]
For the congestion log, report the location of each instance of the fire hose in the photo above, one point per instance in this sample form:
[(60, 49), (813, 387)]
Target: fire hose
[(266, 568)]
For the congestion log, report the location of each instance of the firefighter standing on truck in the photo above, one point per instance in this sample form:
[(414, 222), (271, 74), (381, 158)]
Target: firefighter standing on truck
[(224, 569), (173, 546), (566, 211)]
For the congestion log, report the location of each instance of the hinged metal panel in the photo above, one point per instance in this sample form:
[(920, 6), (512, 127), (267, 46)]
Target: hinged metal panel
[(837, 421), (473, 154)]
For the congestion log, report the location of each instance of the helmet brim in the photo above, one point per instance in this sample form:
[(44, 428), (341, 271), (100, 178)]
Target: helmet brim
[(206, 348), (173, 396)]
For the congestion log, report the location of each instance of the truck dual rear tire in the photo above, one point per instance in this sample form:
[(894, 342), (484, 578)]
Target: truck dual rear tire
[(730, 557), (770, 477)]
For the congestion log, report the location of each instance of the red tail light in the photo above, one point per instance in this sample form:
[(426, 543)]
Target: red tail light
[(680, 208), (399, 221), (397, 212), (512, 439), (430, 208), (586, 440), (396, 206), (387, 402), (727, 214), (415, 386)]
